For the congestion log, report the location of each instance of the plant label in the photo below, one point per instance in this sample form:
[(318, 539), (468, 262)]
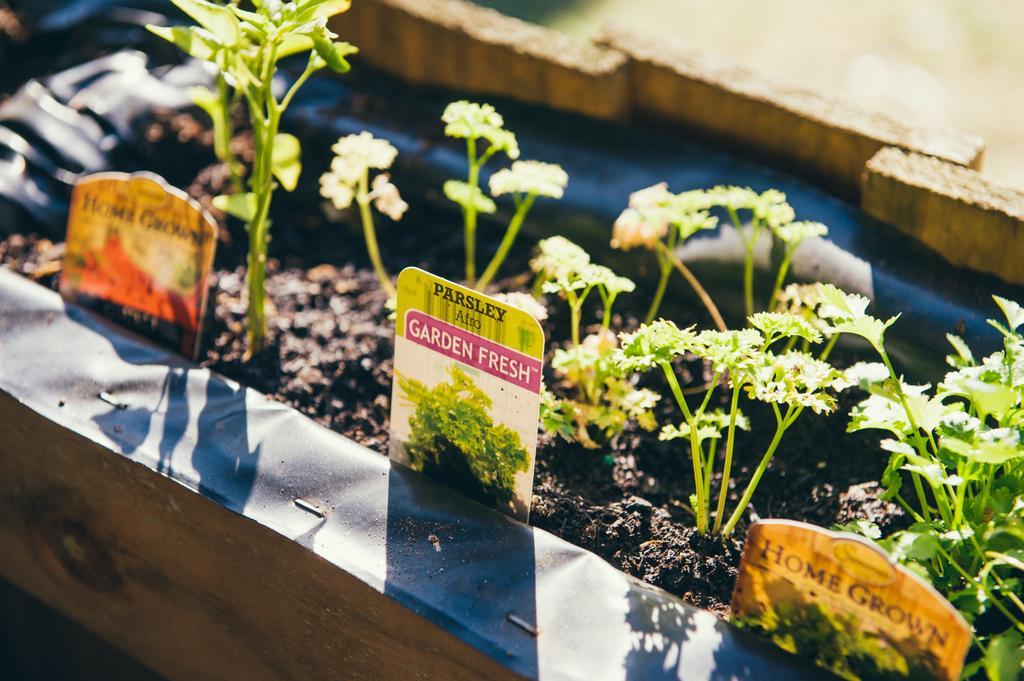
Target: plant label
[(466, 397), (837, 597), (140, 251)]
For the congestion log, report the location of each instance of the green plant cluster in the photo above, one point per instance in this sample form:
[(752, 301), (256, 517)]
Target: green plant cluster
[(961, 447), (454, 439)]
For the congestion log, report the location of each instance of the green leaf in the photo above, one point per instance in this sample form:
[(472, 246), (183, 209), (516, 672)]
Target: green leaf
[(217, 19), (1004, 656), (193, 41), (963, 357), (994, 451), (285, 160), (869, 328), (468, 196), (241, 206), (334, 54), (210, 102), (294, 43), (320, 9), (1014, 313)]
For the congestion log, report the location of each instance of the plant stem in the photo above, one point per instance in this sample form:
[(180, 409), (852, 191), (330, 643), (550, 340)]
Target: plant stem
[(370, 235), (506, 243), (223, 132), (575, 306), (783, 423), (748, 281), (470, 214), (827, 350), (266, 118), (723, 489), (659, 293), (696, 458), (780, 278), (709, 304)]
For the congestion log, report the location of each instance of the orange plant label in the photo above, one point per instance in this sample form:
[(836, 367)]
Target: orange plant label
[(838, 598), (141, 250)]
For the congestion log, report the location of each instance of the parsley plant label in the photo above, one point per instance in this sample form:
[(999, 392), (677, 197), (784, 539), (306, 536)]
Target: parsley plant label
[(466, 398), (840, 599), (140, 251)]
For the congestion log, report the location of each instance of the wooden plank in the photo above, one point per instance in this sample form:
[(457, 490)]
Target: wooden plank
[(470, 48), (822, 138), (969, 220), (187, 587)]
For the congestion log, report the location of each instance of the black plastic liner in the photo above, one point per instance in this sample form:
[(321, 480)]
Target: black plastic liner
[(256, 457)]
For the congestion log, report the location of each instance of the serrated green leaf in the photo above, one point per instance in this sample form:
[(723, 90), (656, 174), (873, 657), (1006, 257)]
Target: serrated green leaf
[(1013, 312), (216, 19), (964, 357), (468, 196), (241, 206)]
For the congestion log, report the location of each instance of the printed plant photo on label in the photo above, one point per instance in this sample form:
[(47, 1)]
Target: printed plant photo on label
[(466, 395)]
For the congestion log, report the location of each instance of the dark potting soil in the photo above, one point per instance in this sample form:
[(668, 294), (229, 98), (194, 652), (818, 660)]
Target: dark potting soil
[(329, 354)]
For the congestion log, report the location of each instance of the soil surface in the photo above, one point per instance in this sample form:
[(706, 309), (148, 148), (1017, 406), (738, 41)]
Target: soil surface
[(329, 355)]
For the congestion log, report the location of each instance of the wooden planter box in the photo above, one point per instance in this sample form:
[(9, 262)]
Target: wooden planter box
[(212, 534)]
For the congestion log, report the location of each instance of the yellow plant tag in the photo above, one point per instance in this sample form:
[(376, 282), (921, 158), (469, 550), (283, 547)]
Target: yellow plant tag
[(141, 250), (837, 597), (465, 402)]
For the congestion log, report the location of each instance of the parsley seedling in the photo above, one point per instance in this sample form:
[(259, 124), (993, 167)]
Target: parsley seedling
[(744, 361), (348, 180), (480, 124)]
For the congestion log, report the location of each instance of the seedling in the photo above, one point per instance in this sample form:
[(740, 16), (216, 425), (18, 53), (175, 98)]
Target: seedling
[(525, 180), (659, 221), (246, 47), (743, 360), (349, 179), (963, 451), (605, 396)]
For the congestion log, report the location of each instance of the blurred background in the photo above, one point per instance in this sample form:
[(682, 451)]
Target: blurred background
[(944, 63)]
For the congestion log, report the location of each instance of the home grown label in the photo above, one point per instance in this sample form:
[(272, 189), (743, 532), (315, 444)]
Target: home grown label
[(839, 598), (466, 396), (142, 251)]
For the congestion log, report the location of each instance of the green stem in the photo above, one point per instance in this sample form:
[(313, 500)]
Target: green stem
[(748, 281), (575, 307), (709, 304), (265, 131), (469, 213), (971, 579), (659, 293), (607, 301), (506, 242), (370, 235), (827, 350), (723, 489), (765, 460), (780, 278), (222, 131), (701, 512)]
